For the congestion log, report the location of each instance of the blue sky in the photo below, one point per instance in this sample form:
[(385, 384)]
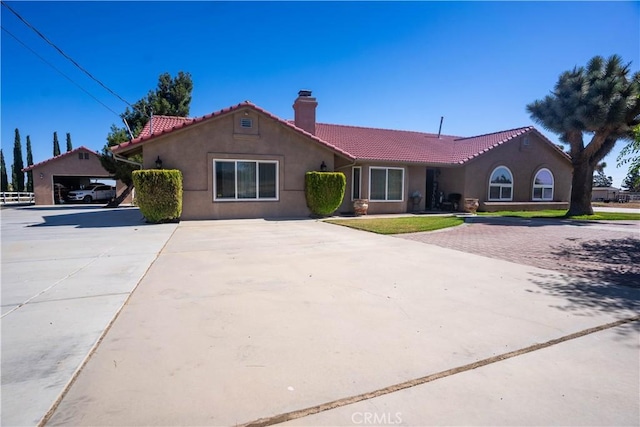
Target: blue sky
[(398, 65)]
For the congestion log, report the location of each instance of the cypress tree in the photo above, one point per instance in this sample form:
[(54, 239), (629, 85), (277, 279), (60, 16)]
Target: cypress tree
[(4, 181), (14, 178), (18, 164), (69, 146), (56, 145), (29, 163)]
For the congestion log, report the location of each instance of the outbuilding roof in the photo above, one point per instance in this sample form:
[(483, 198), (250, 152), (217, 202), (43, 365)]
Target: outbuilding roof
[(60, 156)]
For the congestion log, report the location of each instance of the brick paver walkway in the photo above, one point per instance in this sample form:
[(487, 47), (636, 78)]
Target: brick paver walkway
[(607, 251)]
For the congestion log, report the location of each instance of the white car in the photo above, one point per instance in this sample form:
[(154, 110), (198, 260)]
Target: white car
[(92, 193)]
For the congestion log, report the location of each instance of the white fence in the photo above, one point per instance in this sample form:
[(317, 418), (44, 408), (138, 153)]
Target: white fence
[(16, 197)]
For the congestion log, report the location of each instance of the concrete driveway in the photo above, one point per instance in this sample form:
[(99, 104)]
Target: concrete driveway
[(259, 322), (66, 272)]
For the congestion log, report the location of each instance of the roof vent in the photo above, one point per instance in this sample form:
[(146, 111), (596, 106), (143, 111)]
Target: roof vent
[(304, 93)]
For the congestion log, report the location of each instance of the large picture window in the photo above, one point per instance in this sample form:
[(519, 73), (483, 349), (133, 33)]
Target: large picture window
[(543, 185), (501, 184), (386, 184), (245, 180)]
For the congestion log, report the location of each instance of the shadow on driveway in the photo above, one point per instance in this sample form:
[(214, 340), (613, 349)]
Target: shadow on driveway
[(599, 275), (95, 218)]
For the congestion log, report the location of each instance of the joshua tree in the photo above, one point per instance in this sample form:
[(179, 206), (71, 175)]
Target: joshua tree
[(600, 101)]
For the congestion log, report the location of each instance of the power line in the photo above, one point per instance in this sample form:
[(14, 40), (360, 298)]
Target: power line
[(69, 58), (56, 69)]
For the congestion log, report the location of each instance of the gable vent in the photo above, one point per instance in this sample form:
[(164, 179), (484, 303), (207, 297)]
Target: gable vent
[(246, 122)]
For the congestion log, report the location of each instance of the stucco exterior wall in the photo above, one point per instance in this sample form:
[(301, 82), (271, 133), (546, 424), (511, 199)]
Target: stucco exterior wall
[(69, 165), (452, 180), (193, 151), (524, 160), (414, 180)]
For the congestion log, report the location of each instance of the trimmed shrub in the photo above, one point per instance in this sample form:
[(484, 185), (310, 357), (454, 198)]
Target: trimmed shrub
[(324, 191), (159, 194)]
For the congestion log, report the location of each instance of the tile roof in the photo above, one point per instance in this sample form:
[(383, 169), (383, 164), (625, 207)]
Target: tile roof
[(161, 123), (415, 147), (175, 125), (362, 143), (68, 153)]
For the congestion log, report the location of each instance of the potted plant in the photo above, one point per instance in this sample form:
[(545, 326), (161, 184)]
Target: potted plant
[(471, 205), (360, 206), (416, 198)]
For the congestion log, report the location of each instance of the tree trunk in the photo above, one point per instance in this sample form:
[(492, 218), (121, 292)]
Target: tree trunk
[(114, 203), (581, 188)]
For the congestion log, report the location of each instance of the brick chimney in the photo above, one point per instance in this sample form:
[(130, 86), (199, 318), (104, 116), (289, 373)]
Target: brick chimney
[(305, 111)]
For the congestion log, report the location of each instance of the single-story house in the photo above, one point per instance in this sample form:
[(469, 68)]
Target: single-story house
[(73, 170), (244, 162), (601, 194)]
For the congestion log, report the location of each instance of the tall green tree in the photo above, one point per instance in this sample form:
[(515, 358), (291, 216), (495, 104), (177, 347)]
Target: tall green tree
[(630, 154), (56, 145), (632, 181), (29, 163), (69, 146), (172, 97), (600, 101), (18, 164), (14, 179), (4, 181), (600, 179)]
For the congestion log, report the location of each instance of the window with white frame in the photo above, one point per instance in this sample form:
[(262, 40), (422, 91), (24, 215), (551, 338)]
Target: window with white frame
[(543, 185), (501, 184), (356, 182), (386, 184), (245, 180)]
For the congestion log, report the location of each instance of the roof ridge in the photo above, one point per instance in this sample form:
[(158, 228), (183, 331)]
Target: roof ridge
[(66, 153), (387, 129), (243, 104), (173, 117), (494, 133)]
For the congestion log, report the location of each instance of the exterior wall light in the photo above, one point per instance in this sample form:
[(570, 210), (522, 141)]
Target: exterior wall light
[(158, 163), (323, 167)]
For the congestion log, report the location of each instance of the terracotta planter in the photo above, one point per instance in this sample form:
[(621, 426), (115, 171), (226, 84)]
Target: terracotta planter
[(471, 205), (360, 206)]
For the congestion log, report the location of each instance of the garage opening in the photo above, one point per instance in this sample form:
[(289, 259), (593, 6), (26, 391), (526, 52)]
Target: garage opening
[(82, 189)]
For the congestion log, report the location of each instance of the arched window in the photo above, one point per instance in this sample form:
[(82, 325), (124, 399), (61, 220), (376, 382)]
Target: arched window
[(501, 184), (543, 185)]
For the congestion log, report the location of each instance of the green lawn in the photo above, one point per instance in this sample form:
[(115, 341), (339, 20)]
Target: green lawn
[(560, 214), (399, 225)]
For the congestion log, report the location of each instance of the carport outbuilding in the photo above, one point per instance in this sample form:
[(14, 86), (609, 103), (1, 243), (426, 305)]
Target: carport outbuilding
[(72, 170)]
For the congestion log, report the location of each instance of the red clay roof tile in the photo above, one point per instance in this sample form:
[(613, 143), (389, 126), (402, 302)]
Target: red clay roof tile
[(161, 123), (361, 143), (158, 130)]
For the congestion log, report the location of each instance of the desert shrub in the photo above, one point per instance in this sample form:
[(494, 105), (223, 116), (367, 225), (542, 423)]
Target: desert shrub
[(324, 191), (159, 194)]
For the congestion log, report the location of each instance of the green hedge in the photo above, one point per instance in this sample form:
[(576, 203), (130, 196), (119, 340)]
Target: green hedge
[(159, 194), (324, 191)]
